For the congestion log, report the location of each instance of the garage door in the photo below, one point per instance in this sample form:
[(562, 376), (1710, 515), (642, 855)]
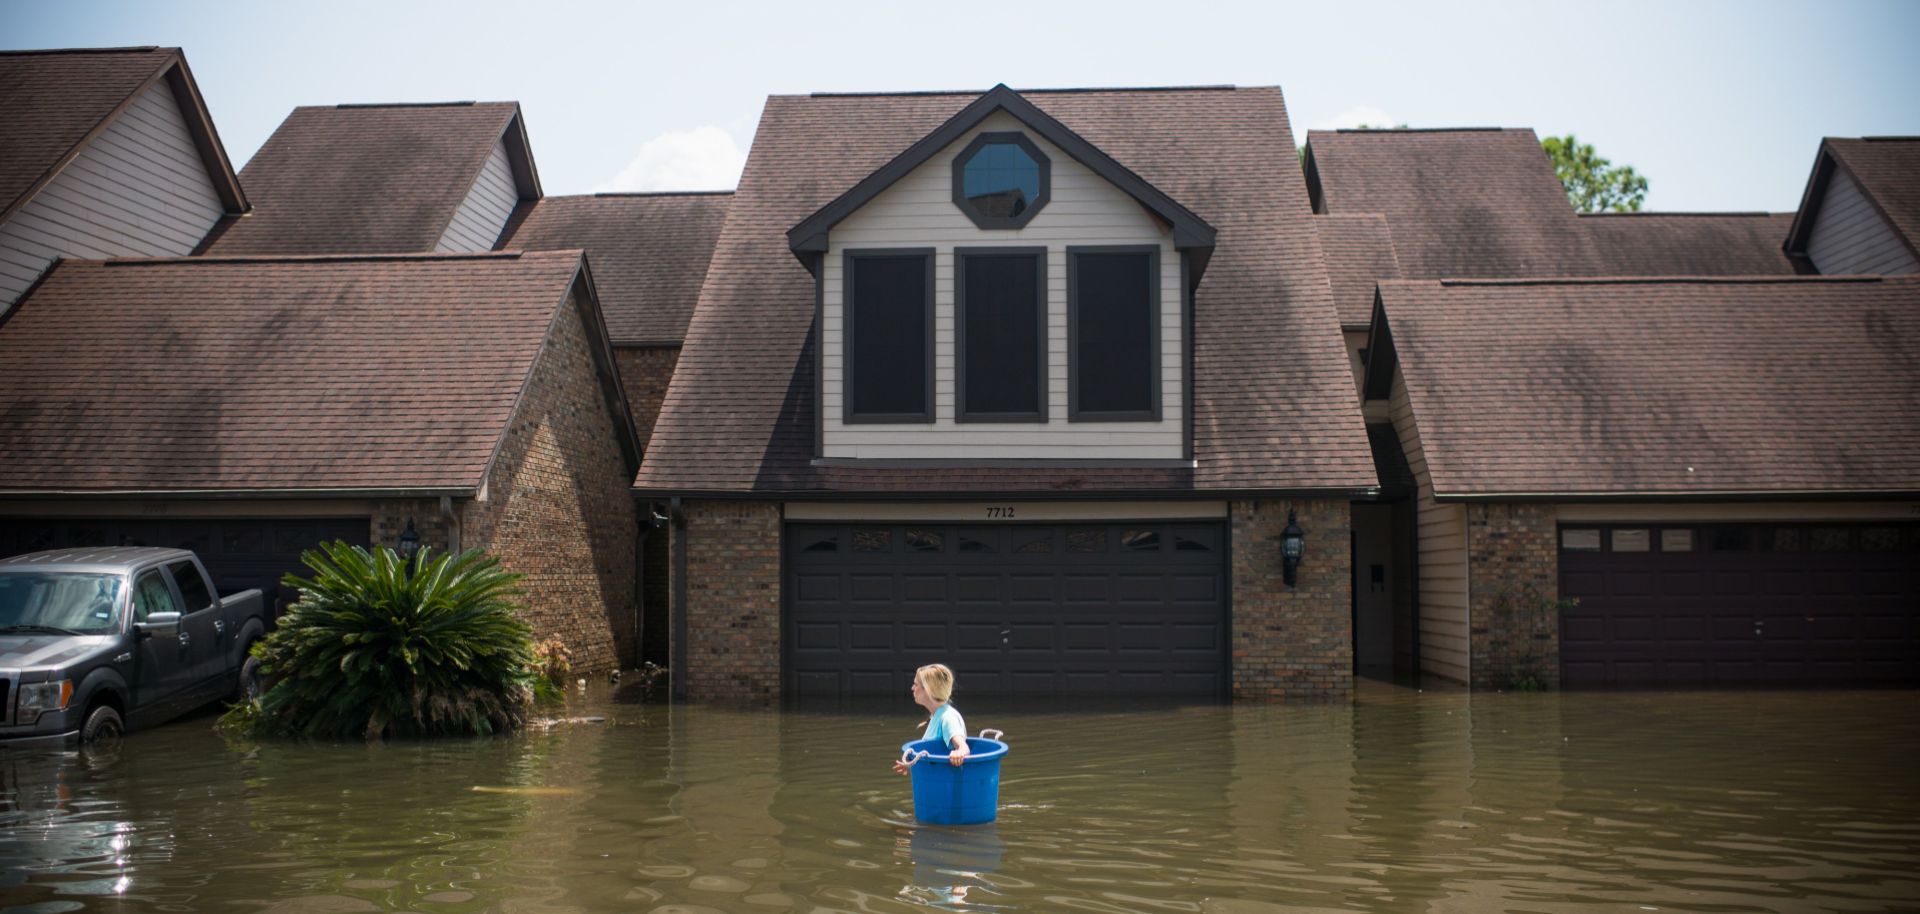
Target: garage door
[(240, 553), (1795, 604), (1028, 610)]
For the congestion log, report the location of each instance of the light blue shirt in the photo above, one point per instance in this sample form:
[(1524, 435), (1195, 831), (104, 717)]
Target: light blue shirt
[(946, 724)]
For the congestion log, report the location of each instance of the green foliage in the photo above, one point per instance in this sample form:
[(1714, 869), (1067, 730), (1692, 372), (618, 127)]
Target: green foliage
[(380, 647), (1594, 184)]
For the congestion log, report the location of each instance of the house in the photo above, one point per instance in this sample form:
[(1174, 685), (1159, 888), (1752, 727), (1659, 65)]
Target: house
[(1644, 413), (385, 179), (248, 408), (1014, 381), (1861, 209), (649, 253), (108, 153)]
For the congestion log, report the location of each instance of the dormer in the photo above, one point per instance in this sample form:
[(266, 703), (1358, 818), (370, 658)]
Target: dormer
[(108, 153), (1859, 214), (1003, 291), (386, 179)]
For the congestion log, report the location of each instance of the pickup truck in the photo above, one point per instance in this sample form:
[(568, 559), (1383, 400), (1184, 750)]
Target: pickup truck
[(95, 642)]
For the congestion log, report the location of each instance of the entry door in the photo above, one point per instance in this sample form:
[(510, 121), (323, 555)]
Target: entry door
[(1108, 608)]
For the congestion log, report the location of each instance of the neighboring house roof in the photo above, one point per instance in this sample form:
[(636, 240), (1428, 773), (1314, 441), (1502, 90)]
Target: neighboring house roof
[(1690, 244), (1887, 168), (1273, 407), (649, 253), (53, 102), (322, 374), (1460, 202), (1801, 386), (372, 179), (1359, 251)]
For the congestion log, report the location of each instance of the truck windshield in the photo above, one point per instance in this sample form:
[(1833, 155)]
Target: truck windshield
[(85, 603)]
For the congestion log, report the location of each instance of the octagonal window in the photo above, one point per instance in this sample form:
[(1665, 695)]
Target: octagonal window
[(1001, 180)]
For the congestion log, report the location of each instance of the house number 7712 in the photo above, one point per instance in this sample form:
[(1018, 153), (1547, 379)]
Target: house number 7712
[(1000, 512)]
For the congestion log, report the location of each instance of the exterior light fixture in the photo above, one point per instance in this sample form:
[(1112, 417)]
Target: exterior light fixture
[(1293, 544), (409, 542)]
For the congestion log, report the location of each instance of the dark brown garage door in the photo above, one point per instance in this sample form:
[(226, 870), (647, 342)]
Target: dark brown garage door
[(240, 553), (1690, 604), (1028, 610)]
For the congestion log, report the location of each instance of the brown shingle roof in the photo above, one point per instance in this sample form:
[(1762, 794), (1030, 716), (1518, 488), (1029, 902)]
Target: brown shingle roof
[(52, 101), (1645, 387), (1273, 403), (649, 253), (1359, 251), (306, 373), (1690, 244), (1466, 202), (364, 179)]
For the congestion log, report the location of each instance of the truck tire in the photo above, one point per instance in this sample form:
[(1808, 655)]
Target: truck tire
[(103, 724), (250, 687)]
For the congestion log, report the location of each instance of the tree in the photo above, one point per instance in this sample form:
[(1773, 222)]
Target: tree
[(1594, 184)]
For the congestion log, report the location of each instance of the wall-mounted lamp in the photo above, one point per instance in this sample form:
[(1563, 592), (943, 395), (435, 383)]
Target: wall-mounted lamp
[(409, 542), (1293, 544)]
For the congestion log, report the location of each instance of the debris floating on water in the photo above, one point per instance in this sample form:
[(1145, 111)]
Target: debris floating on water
[(530, 791), (548, 723)]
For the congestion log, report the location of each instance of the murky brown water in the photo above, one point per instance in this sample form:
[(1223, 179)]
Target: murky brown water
[(1403, 801)]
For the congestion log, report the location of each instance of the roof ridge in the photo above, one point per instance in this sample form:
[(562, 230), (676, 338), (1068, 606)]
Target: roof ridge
[(1419, 130), (457, 104), (327, 258), (1891, 139), (1653, 280), (128, 49), (909, 93)]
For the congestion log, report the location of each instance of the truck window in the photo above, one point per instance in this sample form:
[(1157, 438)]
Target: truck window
[(194, 591), (152, 595)]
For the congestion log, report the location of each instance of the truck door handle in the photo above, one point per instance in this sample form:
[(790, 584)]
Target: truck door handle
[(220, 626), (184, 640)]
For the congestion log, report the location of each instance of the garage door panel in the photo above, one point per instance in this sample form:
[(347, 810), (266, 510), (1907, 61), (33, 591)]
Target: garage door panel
[(1027, 610)]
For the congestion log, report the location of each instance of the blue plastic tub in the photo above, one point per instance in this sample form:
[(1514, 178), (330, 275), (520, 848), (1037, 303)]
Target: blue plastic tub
[(946, 794)]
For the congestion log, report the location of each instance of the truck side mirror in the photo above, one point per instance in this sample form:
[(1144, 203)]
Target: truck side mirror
[(159, 624)]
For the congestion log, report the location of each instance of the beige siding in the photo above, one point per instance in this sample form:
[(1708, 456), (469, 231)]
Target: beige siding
[(477, 223), (139, 189), (1084, 209), (1441, 539), (1850, 236)]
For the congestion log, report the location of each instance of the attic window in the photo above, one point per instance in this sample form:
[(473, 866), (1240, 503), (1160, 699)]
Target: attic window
[(1001, 180)]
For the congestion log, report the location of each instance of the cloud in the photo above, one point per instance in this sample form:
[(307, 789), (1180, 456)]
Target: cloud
[(1355, 116), (704, 158)]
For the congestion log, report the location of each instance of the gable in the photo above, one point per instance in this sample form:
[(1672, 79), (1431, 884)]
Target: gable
[(477, 223), (139, 188), (1849, 235)]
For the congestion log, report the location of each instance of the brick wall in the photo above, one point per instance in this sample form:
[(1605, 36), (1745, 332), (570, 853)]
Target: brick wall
[(733, 600), (558, 508), (1292, 642), (645, 373), (390, 520), (1514, 569)]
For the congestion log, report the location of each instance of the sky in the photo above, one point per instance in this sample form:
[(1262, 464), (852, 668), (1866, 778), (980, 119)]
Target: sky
[(1720, 105)]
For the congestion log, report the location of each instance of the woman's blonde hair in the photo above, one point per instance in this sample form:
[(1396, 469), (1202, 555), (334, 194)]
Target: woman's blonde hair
[(937, 680)]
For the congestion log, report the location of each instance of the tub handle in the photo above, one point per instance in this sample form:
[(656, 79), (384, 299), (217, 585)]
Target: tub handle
[(999, 735), (910, 758)]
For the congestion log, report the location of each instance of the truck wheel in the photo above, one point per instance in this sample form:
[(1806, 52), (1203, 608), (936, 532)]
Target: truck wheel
[(103, 726), (249, 688)]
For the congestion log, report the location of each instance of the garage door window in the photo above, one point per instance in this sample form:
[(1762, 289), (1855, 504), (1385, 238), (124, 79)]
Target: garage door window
[(1580, 540), (1676, 541), (1631, 540), (1140, 540), (924, 541), (872, 540), (1832, 539), (1880, 539), (975, 544), (1087, 541)]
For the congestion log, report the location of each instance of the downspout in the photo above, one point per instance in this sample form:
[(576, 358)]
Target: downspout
[(643, 519), (677, 517), (453, 524)]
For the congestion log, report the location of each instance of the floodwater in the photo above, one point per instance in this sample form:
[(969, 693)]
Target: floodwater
[(1400, 801)]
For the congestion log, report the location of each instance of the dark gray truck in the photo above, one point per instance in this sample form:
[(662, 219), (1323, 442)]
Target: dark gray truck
[(94, 642)]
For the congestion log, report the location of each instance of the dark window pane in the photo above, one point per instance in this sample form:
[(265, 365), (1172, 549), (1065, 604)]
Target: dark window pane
[(924, 541), (193, 587), (1002, 333), (887, 360), (243, 540), (1732, 539), (1184, 543), (1140, 540), (829, 544), (1087, 541), (1113, 328), (969, 544), (872, 540), (1000, 179), (1880, 539), (1040, 545)]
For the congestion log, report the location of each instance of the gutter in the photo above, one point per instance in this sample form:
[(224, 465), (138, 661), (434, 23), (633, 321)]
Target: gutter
[(446, 492), (1713, 496), (1350, 492)]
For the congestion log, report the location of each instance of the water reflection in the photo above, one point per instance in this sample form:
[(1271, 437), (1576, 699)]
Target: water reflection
[(1402, 800)]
